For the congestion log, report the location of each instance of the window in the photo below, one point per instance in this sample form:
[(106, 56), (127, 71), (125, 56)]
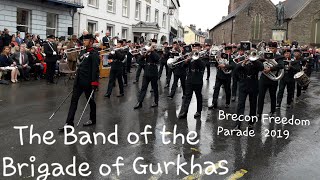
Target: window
[(51, 24), (124, 33), (316, 32), (93, 3), (92, 27), (164, 20), (111, 6), (125, 8), (110, 28), (23, 20), (148, 10), (138, 10), (156, 16), (257, 30), (165, 2)]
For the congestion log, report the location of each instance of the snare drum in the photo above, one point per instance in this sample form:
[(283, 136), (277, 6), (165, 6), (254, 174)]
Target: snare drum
[(302, 79)]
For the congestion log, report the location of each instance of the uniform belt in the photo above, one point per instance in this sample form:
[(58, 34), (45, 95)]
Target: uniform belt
[(195, 70)]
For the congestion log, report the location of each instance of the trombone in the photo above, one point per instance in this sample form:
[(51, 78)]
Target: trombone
[(75, 49)]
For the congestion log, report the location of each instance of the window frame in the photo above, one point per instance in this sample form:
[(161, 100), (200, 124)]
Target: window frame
[(28, 24), (139, 13), (92, 5), (113, 6), (156, 16), (164, 20), (56, 24), (93, 22), (148, 17), (126, 34), (127, 8), (111, 32)]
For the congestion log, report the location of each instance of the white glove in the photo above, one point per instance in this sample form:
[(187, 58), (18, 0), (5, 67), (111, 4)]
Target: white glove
[(54, 53), (112, 52)]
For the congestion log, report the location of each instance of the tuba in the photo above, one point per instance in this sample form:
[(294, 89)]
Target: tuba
[(272, 75)]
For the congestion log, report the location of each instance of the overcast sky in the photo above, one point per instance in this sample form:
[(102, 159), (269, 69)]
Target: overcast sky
[(204, 13)]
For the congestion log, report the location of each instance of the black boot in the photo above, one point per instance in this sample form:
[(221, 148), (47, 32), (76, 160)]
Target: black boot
[(182, 115), (89, 123), (154, 104), (197, 114), (138, 105), (213, 105), (61, 129)]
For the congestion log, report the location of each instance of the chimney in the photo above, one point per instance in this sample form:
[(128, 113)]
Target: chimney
[(192, 26)]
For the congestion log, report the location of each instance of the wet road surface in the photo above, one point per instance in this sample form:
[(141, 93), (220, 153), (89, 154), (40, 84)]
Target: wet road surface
[(258, 157)]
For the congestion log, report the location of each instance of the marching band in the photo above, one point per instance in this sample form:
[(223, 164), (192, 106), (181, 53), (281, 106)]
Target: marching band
[(242, 70)]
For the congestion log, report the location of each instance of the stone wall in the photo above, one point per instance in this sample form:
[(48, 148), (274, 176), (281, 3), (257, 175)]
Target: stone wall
[(243, 23), (300, 27)]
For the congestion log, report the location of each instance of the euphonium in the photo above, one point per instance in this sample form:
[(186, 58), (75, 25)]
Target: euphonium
[(272, 75), (222, 60)]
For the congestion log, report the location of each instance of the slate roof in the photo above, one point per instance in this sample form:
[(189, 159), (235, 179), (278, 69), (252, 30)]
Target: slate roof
[(293, 7), (234, 13)]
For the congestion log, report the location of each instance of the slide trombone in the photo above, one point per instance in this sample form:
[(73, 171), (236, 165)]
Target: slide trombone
[(75, 49)]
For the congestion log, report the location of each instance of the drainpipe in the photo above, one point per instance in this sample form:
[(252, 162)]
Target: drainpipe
[(232, 30)]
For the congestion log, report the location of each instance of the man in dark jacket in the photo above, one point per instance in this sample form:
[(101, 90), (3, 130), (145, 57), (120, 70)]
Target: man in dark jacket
[(291, 67), (50, 50), (194, 83), (150, 76), (87, 80), (115, 59)]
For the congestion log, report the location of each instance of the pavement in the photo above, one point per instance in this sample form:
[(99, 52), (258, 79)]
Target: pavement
[(258, 157)]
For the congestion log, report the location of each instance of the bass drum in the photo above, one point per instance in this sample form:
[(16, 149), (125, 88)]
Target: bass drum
[(302, 79)]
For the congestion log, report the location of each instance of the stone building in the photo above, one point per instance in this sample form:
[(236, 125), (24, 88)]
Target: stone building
[(42, 17), (303, 21), (257, 20), (248, 20)]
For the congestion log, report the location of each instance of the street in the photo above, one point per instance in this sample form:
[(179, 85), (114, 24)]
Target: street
[(293, 155)]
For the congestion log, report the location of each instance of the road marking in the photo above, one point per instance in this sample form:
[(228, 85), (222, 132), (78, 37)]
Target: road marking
[(195, 149), (198, 175), (237, 175)]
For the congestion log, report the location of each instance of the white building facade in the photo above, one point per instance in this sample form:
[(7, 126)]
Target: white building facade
[(175, 23), (41, 17), (135, 20)]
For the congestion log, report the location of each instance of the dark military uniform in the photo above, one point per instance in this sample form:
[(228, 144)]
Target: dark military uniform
[(87, 76), (163, 62), (51, 59), (248, 86), (129, 61), (179, 73), (116, 71), (306, 64), (225, 80), (288, 81), (267, 84), (141, 65), (235, 81), (206, 60), (150, 76), (194, 83), (125, 66)]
